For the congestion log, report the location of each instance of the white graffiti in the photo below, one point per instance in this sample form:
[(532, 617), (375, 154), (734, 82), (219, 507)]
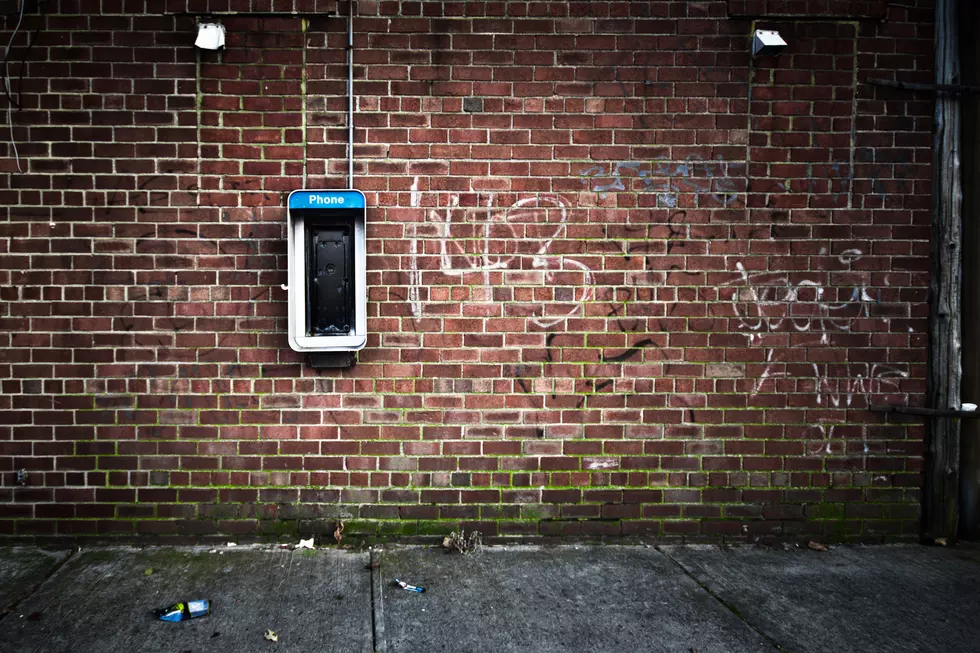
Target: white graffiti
[(415, 276), (835, 385), (823, 435), (492, 245), (775, 301)]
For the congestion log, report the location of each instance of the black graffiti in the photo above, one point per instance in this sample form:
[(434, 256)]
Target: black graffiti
[(551, 338), (259, 295), (642, 116), (620, 308), (629, 353), (674, 230), (520, 373), (149, 181)]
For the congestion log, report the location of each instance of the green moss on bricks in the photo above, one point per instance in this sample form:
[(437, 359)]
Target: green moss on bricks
[(279, 528), (397, 528), (530, 512), (827, 511), (838, 529), (358, 527), (436, 527)]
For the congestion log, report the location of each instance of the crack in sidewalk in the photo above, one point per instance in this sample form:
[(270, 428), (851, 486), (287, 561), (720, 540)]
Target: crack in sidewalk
[(730, 607), (30, 591), (377, 604)]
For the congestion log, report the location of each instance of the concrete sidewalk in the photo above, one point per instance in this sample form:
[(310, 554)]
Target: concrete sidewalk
[(515, 598)]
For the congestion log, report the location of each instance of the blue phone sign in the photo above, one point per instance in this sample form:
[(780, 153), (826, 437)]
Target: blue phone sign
[(307, 199)]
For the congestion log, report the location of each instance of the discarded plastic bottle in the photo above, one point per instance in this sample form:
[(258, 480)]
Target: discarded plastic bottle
[(410, 588), (185, 611)]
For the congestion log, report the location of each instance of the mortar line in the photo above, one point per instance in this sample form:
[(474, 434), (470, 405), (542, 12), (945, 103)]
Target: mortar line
[(11, 607), (377, 605), (731, 608)]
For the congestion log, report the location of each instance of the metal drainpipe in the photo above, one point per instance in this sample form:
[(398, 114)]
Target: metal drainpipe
[(350, 95)]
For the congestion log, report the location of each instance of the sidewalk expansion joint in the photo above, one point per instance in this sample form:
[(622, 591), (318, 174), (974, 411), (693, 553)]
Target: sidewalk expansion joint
[(377, 603), (731, 608), (12, 606)]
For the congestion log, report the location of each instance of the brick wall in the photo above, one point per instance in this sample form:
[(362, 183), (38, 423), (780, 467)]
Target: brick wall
[(623, 279)]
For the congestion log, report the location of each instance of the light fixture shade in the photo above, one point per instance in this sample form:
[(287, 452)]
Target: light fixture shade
[(767, 43), (210, 36)]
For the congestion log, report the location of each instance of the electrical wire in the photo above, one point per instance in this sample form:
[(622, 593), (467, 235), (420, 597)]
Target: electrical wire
[(23, 67), (23, 62), (13, 141), (6, 83)]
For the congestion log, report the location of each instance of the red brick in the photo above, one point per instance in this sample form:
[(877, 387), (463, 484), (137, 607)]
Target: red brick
[(590, 293)]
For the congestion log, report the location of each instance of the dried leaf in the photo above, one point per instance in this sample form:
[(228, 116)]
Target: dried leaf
[(817, 546), (940, 541), (271, 635), (337, 534)]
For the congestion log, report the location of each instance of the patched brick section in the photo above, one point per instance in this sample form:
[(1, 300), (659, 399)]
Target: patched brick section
[(592, 310), (724, 370), (327, 102), (252, 114), (802, 118)]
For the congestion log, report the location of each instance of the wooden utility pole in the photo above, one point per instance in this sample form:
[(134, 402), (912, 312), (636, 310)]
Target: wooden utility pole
[(969, 25), (940, 501)]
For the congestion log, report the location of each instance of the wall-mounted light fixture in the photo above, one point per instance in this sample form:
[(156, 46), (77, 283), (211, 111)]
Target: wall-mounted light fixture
[(767, 43), (210, 36)]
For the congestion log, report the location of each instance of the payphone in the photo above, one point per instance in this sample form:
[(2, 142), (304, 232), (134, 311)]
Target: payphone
[(327, 275)]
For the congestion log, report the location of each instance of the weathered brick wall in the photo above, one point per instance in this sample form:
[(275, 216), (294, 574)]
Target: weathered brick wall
[(622, 277)]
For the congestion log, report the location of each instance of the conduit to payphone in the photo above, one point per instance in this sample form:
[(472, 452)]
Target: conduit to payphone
[(350, 95), (327, 288)]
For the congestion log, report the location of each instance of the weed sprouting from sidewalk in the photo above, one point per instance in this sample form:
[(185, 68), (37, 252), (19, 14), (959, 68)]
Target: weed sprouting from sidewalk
[(460, 541)]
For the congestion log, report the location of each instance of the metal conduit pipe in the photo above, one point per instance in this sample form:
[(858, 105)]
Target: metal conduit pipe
[(350, 95)]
